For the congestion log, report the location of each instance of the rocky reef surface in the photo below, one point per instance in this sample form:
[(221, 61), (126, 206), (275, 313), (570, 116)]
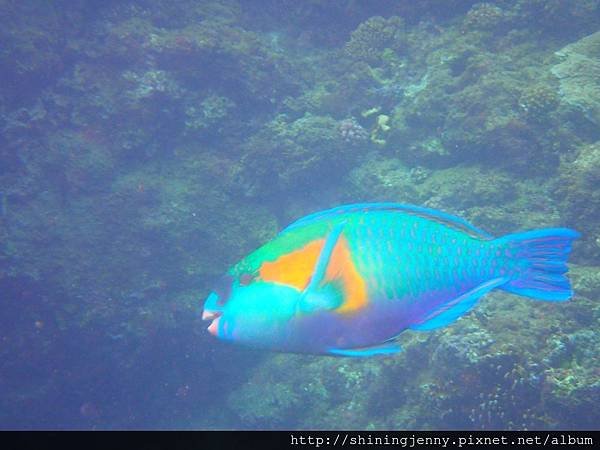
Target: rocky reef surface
[(146, 146), (579, 86)]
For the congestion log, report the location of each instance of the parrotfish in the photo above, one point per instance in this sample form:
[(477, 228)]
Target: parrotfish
[(349, 280)]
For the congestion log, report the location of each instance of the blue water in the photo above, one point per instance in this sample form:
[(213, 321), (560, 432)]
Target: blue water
[(146, 146)]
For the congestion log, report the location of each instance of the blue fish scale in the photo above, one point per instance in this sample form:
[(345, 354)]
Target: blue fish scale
[(403, 257)]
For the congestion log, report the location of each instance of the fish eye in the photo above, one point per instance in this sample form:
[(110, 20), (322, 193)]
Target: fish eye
[(246, 279)]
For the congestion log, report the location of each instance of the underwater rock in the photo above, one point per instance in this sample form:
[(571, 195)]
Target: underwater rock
[(463, 348), (37, 39), (211, 111), (586, 168), (265, 407), (298, 152), (429, 151), (149, 83), (573, 394), (555, 16), (578, 188), (383, 178), (537, 102), (466, 187), (586, 281), (578, 75)]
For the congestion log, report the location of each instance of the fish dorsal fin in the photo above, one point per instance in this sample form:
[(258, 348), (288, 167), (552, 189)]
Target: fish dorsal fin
[(382, 349), (313, 297), (431, 214), (454, 309)]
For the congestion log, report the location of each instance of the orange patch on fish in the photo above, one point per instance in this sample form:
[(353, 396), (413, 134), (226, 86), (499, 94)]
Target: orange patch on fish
[(341, 267), (295, 268)]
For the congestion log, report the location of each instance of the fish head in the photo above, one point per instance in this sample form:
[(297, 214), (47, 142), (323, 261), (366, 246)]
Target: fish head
[(251, 311)]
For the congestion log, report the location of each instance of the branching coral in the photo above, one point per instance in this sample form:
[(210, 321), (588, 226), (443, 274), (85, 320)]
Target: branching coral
[(372, 37)]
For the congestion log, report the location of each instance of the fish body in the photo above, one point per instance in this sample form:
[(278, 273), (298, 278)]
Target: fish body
[(347, 281)]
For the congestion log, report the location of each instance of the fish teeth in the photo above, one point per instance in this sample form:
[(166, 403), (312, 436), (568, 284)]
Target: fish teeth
[(210, 315), (214, 326)]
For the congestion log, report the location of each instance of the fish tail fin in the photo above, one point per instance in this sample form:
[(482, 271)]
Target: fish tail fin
[(541, 263)]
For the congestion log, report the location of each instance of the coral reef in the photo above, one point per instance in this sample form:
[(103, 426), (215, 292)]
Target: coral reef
[(484, 16), (146, 146)]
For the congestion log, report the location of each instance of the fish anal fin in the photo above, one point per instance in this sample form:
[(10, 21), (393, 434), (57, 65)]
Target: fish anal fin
[(377, 350), (454, 309)]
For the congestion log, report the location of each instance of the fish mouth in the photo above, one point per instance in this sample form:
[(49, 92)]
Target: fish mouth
[(210, 315), (213, 328)]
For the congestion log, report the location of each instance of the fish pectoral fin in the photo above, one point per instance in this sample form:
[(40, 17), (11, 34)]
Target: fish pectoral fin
[(326, 298), (454, 309), (324, 257), (383, 349), (317, 296)]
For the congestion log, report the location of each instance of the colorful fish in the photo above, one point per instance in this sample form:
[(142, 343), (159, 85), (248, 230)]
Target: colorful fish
[(347, 281)]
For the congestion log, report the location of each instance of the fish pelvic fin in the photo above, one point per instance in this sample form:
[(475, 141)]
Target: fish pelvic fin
[(542, 262)]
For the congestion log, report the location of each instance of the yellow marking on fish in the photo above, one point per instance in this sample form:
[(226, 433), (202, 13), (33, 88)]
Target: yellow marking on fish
[(342, 268), (295, 268)]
